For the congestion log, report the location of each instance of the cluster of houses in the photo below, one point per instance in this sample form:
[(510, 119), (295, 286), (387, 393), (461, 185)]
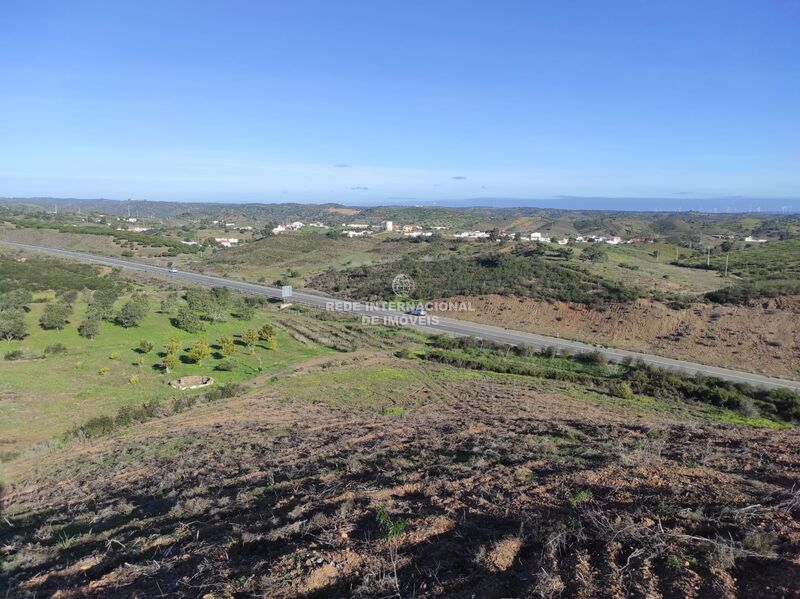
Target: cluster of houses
[(296, 226), (537, 237)]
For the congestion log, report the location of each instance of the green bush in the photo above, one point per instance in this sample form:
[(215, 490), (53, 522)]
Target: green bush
[(20, 354), (188, 321), (521, 273), (226, 365), (12, 324), (620, 389), (90, 327), (133, 312), (57, 348), (55, 316)]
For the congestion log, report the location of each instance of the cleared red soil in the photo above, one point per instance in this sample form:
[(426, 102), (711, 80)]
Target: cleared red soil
[(762, 337)]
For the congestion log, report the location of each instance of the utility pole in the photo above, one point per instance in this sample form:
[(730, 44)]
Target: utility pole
[(726, 266), (708, 256)]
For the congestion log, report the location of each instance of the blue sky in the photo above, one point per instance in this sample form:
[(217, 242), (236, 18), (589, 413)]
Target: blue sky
[(379, 101)]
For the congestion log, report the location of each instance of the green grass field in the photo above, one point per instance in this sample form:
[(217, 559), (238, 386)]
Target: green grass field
[(40, 399), (638, 265), (776, 260), (305, 252)]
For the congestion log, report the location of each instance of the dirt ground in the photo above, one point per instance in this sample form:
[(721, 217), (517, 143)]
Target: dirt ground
[(490, 487), (763, 337)]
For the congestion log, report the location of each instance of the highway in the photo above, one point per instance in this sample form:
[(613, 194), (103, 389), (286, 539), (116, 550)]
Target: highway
[(430, 324)]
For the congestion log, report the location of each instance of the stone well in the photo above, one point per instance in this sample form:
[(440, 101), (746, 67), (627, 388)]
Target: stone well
[(191, 382)]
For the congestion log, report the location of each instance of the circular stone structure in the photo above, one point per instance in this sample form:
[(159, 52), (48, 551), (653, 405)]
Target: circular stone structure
[(191, 382)]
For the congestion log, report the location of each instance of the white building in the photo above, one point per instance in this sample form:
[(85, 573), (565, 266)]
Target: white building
[(539, 238), (226, 242), (751, 239), (472, 235), (614, 240), (388, 225), (352, 234), (278, 229)]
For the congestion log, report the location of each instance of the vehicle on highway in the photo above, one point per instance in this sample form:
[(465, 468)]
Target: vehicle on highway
[(173, 271), (418, 311)]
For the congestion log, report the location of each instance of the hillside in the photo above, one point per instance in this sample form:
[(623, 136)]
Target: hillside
[(381, 477), (519, 273), (760, 336)]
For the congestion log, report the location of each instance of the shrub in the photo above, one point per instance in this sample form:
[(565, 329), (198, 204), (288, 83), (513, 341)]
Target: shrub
[(19, 354), (90, 327), (266, 332), (173, 345), (393, 528), (146, 346), (524, 350), (594, 357), (580, 498), (621, 389), (16, 299), (227, 346), (55, 316), (133, 312), (225, 391), (95, 427), (199, 301), (594, 253), (199, 350), (57, 348), (170, 362), (12, 324), (187, 320), (250, 338), (226, 365), (169, 303), (244, 311), (103, 371), (549, 352), (102, 305)]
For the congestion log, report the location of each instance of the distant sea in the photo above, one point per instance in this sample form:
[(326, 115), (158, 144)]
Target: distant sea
[(719, 205)]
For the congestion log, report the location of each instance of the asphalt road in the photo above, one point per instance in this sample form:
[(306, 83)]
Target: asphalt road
[(430, 324)]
